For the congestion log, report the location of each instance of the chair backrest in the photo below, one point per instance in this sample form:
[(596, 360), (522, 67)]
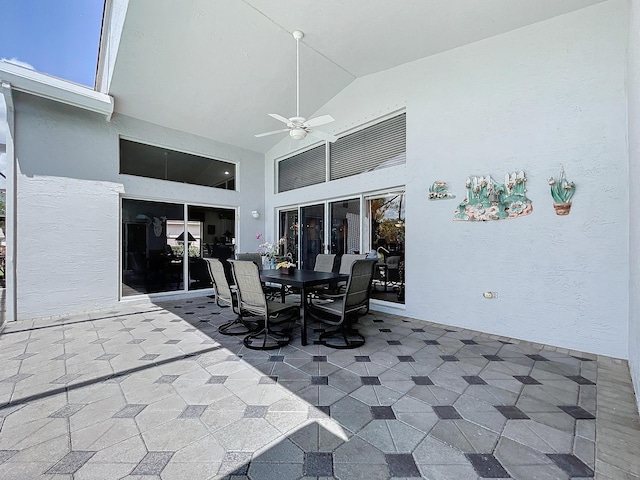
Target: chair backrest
[(251, 257), (223, 291), (347, 259), (393, 261), (358, 286), (251, 297), (324, 262)]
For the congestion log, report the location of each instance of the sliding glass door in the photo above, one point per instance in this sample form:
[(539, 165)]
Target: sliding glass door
[(288, 233), (311, 234), (345, 226), (385, 232), (156, 246)]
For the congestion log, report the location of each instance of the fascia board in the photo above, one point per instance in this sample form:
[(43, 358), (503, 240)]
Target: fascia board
[(35, 83)]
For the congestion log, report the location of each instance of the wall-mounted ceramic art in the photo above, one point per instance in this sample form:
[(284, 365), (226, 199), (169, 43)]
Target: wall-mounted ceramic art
[(562, 191), (490, 200), (440, 191)]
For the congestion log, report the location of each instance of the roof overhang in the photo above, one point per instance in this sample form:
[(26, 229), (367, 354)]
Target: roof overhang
[(29, 81)]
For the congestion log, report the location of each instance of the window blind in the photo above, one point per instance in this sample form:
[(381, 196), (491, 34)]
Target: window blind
[(301, 170), (381, 145)]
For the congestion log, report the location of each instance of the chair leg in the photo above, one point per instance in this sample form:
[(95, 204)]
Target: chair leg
[(342, 338), (238, 326), (266, 339)]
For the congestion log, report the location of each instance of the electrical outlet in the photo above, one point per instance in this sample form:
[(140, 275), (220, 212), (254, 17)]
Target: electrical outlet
[(490, 294)]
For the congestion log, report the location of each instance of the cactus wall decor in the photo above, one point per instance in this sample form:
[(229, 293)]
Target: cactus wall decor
[(440, 191), (562, 192), (489, 200)]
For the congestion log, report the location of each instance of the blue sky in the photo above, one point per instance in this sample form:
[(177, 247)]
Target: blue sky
[(58, 37)]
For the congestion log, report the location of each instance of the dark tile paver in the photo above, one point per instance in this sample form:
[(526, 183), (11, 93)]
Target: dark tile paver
[(527, 380), (370, 380), (152, 463), (486, 465), (446, 412), (511, 412), (318, 464), (571, 464), (71, 462), (382, 413), (402, 465), (576, 412)]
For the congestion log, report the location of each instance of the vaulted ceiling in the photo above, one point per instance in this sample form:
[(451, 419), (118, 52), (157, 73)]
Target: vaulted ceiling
[(216, 68)]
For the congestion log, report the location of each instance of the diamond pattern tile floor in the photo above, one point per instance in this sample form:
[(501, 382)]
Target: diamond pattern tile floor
[(154, 391)]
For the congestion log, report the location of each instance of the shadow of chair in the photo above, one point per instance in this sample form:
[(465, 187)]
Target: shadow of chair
[(252, 300), (226, 296), (341, 310)]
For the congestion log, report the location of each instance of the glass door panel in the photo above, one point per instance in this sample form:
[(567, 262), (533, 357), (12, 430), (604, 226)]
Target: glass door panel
[(345, 227), (288, 233), (149, 264), (312, 234), (211, 235), (386, 215)]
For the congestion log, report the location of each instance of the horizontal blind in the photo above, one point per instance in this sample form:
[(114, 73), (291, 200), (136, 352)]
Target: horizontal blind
[(379, 146), (304, 169)]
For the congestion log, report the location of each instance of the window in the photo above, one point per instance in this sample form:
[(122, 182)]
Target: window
[(379, 146), (157, 162), (304, 169)]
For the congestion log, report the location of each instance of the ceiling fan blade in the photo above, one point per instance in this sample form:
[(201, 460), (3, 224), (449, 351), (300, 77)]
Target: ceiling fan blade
[(279, 117), (273, 132), (323, 135), (321, 120)]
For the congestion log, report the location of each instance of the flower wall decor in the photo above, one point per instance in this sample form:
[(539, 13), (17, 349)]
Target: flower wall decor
[(562, 192), (440, 191), (490, 200)]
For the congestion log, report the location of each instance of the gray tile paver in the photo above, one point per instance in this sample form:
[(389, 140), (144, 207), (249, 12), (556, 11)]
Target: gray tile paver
[(236, 417)]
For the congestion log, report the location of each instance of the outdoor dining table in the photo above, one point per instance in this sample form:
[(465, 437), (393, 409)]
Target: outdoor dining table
[(302, 279)]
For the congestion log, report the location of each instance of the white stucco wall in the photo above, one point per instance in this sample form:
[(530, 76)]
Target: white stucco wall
[(68, 190), (535, 99), (633, 91)]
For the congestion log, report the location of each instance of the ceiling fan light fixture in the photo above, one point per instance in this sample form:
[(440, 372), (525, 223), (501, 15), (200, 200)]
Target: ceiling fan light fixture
[(298, 133)]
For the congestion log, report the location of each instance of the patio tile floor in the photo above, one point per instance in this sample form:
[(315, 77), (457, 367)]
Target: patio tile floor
[(153, 391)]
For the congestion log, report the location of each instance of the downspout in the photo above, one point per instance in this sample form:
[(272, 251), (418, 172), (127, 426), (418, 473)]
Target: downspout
[(10, 314)]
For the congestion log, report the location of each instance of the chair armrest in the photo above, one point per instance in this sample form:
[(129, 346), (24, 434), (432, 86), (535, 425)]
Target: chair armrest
[(329, 296)]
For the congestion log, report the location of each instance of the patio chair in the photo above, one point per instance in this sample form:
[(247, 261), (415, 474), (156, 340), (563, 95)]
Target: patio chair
[(252, 300), (226, 296), (324, 262), (341, 310), (273, 290), (345, 267)]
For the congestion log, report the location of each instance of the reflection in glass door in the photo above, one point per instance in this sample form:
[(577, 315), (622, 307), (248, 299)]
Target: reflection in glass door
[(288, 233), (148, 263), (345, 226), (312, 234), (211, 235), (386, 229)]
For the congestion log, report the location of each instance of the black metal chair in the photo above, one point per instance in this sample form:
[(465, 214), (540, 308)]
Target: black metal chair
[(252, 300), (341, 310)]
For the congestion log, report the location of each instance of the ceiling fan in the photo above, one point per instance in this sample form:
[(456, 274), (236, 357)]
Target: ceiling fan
[(299, 127)]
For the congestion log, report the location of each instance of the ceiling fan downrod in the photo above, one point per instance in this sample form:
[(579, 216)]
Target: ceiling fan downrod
[(298, 35)]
